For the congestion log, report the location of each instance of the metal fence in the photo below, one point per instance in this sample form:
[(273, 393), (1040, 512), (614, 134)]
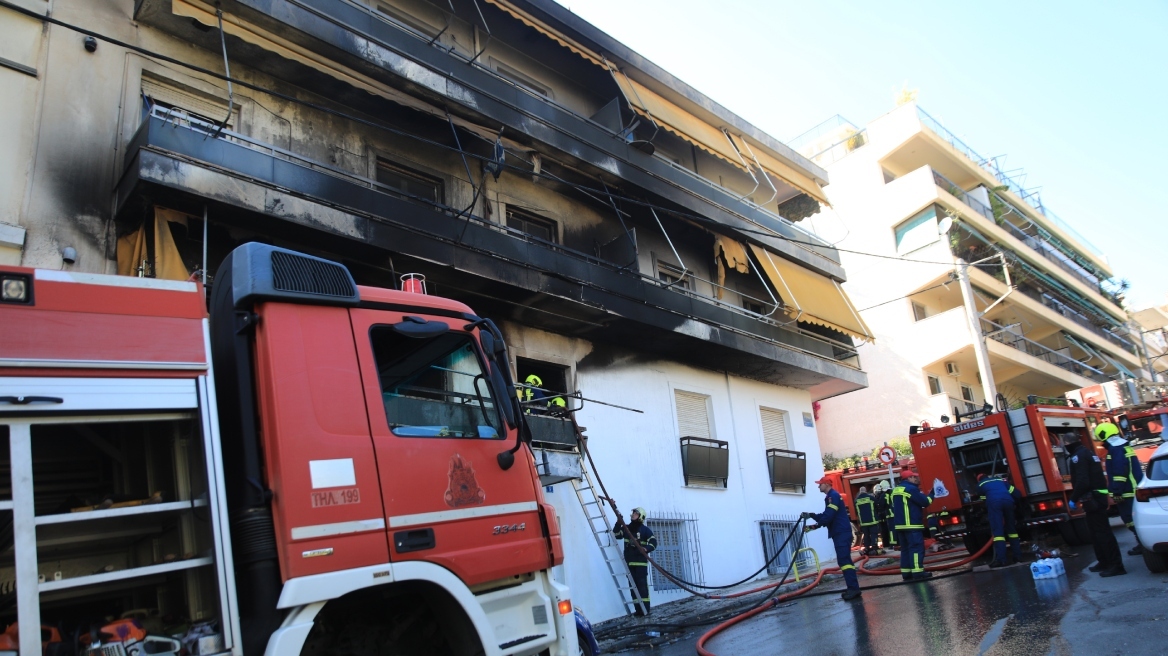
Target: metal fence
[(1006, 335), (773, 530)]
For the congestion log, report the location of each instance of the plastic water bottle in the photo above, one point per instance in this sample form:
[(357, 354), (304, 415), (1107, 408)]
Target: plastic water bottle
[(1059, 568), (1041, 569)]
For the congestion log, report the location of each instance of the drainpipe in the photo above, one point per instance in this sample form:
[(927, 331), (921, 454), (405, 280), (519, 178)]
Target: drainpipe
[(988, 388)]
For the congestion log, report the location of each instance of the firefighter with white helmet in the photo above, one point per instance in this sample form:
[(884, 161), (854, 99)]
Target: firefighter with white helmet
[(637, 562)]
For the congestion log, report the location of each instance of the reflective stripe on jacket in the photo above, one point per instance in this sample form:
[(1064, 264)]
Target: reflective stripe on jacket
[(908, 507), (1124, 471), (996, 491), (645, 536), (834, 515), (866, 509)]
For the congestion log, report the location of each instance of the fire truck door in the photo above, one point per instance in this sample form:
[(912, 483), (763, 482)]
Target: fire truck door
[(437, 431)]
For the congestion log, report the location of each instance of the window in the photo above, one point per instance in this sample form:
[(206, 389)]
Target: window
[(919, 311), (787, 468), (188, 103), (935, 385), (693, 414), (677, 550), (774, 533), (705, 461), (673, 275), (917, 232), (751, 306), (520, 79), (409, 21), (967, 393), (409, 184), (434, 386), (531, 224)]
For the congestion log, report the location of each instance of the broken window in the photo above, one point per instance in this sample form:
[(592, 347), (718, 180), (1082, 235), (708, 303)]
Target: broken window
[(410, 184), (532, 224)]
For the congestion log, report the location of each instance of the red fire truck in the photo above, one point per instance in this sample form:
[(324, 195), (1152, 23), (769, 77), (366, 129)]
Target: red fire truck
[(869, 473), (315, 468), (1025, 446)]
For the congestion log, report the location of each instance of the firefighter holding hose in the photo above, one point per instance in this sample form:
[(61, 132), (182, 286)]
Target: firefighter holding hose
[(638, 564), (839, 529)]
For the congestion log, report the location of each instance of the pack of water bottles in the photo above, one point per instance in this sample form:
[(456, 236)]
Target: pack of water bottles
[(1048, 568)]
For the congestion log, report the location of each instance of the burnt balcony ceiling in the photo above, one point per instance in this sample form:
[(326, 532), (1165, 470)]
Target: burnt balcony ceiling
[(352, 37), (491, 268)]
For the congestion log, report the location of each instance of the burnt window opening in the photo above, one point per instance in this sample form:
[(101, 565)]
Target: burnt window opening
[(410, 184), (541, 384), (532, 224)]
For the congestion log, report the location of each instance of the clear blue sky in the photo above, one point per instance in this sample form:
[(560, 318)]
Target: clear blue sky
[(1074, 93)]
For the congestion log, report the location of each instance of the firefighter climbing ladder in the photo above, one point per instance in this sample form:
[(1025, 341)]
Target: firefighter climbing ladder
[(602, 529)]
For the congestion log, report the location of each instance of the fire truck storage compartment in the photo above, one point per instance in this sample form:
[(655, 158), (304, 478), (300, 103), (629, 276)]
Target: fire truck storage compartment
[(977, 452), (122, 523)]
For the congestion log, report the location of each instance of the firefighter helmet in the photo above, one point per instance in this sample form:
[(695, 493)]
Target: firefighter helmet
[(533, 380), (1106, 430), (641, 513)]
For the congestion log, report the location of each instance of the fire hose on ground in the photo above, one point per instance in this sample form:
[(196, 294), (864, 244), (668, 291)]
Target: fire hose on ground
[(770, 601)]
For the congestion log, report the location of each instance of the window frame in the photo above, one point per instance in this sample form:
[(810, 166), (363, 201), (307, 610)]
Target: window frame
[(922, 314), (533, 218), (501, 428), (914, 222), (381, 161), (680, 277), (967, 388), (929, 380)]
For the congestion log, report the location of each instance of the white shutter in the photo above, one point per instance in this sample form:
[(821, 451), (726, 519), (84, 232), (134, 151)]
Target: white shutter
[(693, 416), (205, 106), (774, 428)]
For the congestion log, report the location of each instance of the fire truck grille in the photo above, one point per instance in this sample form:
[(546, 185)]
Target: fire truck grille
[(293, 273)]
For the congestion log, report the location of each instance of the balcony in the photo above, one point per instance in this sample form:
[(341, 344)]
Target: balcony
[(1037, 238), (1005, 335), (705, 460), (990, 165), (277, 192), (788, 470)]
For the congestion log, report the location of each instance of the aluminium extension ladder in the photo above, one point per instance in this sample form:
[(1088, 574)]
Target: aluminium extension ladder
[(601, 528)]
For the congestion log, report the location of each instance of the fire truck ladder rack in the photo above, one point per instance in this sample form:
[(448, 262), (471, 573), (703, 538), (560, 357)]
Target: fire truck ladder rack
[(602, 532), (1027, 453)]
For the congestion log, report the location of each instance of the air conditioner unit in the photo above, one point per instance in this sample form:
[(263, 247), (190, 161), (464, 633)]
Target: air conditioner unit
[(951, 369)]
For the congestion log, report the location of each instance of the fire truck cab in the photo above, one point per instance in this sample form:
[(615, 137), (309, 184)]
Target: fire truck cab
[(1025, 446), (314, 468)]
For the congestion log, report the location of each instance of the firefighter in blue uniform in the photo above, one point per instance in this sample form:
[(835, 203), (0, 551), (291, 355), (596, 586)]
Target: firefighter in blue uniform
[(869, 524), (638, 564), (1000, 498), (908, 512), (1124, 472), (839, 529), (884, 512)]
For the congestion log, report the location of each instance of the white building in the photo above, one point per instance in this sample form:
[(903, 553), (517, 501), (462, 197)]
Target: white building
[(908, 190)]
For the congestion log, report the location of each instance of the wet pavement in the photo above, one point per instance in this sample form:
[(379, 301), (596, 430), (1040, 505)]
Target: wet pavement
[(988, 613)]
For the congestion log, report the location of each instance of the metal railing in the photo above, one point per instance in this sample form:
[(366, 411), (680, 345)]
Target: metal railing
[(816, 131), (1037, 238), (1004, 335), (788, 469), (842, 353), (841, 148), (990, 165)]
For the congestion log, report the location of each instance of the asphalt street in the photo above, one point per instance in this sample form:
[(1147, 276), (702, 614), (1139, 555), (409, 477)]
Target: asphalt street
[(983, 613)]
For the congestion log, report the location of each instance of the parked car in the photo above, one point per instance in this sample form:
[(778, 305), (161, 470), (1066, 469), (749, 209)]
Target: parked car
[(1150, 511)]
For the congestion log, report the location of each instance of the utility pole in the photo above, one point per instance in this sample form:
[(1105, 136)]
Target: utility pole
[(988, 388)]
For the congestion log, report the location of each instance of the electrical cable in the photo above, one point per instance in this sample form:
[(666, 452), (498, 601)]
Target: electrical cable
[(898, 298), (380, 126)]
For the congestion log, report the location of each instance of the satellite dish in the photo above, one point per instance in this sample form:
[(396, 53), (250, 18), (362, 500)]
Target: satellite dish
[(945, 225)]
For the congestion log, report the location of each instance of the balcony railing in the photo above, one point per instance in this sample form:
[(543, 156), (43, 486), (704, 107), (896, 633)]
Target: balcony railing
[(1032, 198), (1005, 335), (705, 459), (841, 148), (818, 345), (788, 469), (1033, 236)]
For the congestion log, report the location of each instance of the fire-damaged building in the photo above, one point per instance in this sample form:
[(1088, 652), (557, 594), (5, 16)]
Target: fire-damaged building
[(642, 248)]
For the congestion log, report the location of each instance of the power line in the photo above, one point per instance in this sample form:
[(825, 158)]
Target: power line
[(380, 126), (898, 298)]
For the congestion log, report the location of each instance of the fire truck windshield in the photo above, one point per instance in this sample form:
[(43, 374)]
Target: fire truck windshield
[(434, 386)]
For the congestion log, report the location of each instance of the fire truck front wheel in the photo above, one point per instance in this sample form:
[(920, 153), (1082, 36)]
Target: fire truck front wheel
[(975, 540), (411, 617)]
